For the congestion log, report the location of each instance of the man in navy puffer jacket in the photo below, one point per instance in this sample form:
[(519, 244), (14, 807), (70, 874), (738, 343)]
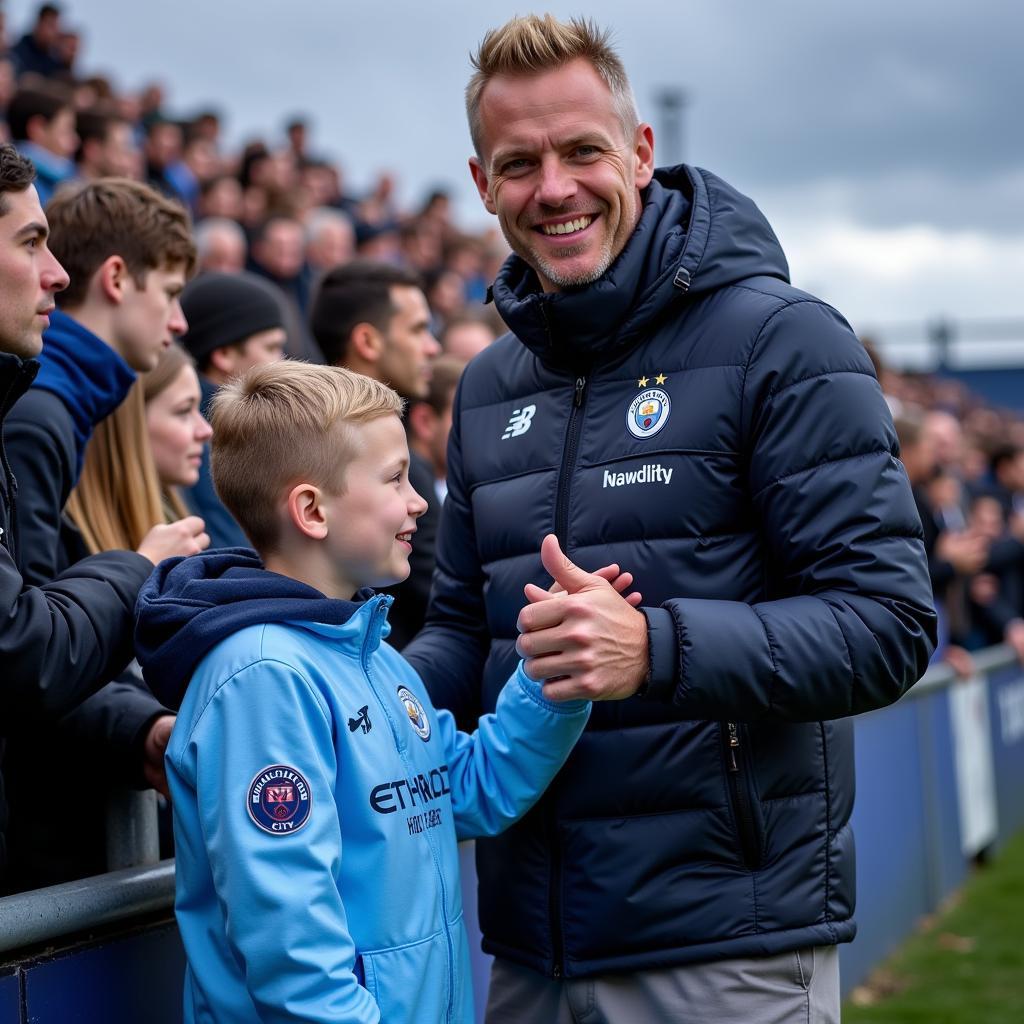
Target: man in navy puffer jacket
[(666, 400)]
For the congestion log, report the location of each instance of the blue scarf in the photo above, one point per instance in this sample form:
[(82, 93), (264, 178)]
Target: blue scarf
[(85, 373)]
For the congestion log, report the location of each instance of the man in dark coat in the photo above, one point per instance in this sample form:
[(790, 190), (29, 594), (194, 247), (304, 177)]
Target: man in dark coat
[(129, 252), (668, 401), (63, 639)]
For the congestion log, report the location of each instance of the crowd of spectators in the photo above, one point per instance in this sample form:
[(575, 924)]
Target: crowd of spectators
[(291, 262), (965, 461), (276, 206)]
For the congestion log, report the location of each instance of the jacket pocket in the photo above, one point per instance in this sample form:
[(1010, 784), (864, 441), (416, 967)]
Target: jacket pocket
[(743, 800), (413, 982)]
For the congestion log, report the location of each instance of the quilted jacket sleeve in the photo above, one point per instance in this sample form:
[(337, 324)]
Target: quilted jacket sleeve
[(848, 622), (59, 642)]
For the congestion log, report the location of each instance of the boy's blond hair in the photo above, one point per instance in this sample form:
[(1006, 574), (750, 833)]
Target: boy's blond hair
[(535, 43), (92, 221), (282, 424)]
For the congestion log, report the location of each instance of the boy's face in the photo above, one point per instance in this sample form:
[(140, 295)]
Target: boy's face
[(371, 524), (149, 317), (30, 275)]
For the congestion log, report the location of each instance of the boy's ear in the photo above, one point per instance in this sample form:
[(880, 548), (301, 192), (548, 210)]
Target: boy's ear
[(366, 343), (305, 510), (112, 279)]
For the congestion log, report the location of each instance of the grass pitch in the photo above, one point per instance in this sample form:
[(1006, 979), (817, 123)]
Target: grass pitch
[(965, 965)]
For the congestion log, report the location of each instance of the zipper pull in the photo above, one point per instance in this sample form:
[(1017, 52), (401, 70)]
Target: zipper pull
[(577, 398), (734, 746)]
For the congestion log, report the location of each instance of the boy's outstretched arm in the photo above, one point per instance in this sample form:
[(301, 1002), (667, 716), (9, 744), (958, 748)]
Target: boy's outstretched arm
[(497, 772), (500, 770), (266, 727)]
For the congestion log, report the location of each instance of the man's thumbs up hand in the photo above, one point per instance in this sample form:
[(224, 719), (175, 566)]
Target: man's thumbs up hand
[(591, 642), (552, 558)]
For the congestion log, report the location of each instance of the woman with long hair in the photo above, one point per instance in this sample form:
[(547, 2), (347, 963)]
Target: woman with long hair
[(137, 457)]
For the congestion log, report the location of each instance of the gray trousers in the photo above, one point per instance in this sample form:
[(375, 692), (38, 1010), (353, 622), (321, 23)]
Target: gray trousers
[(800, 987)]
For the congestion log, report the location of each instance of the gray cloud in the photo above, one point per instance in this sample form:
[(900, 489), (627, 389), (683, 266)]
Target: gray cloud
[(887, 112)]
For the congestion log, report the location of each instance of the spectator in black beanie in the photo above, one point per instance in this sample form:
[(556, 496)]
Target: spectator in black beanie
[(235, 321)]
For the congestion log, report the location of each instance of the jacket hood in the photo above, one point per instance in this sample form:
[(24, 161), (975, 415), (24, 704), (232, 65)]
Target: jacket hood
[(84, 372), (695, 234), (188, 605)]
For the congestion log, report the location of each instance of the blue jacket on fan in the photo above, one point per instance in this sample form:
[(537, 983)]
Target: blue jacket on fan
[(318, 797), (722, 436)]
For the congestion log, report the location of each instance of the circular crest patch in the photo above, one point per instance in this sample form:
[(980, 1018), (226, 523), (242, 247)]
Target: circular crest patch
[(648, 413), (414, 709), (279, 800)]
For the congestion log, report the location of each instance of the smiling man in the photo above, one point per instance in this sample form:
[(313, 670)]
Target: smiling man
[(668, 400)]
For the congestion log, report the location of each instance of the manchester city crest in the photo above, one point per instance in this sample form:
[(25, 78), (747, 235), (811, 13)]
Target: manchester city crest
[(279, 800), (648, 413), (414, 709)]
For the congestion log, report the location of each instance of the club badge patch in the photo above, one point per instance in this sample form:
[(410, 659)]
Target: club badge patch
[(279, 800), (414, 709), (648, 413)]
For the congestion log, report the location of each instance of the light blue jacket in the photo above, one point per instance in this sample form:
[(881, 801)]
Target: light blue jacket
[(318, 798)]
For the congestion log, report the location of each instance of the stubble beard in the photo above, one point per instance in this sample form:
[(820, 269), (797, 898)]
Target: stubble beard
[(553, 271)]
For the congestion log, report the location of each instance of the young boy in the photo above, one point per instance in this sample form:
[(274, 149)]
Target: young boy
[(318, 795)]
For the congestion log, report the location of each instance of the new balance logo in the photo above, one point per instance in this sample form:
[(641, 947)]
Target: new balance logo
[(519, 422), (361, 721)]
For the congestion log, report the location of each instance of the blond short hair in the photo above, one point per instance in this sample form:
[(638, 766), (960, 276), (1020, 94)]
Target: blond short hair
[(283, 424), (534, 43)]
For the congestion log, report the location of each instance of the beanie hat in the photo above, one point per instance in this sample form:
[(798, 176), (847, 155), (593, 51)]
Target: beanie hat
[(224, 309)]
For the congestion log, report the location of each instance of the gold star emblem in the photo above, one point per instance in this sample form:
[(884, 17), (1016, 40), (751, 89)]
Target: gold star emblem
[(642, 382), (660, 379)]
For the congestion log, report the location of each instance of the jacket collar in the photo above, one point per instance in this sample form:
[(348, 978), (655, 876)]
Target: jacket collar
[(16, 377)]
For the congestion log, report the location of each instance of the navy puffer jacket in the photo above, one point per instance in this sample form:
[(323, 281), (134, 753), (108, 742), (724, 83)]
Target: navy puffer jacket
[(720, 434)]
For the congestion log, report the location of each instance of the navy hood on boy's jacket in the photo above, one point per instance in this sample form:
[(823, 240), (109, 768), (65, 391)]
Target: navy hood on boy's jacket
[(188, 605), (721, 435)]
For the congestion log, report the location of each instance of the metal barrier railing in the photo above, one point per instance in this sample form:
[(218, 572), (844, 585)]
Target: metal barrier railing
[(143, 886), (942, 676), (42, 915)]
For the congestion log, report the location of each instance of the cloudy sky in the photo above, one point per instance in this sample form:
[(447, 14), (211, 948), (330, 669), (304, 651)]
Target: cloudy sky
[(883, 139)]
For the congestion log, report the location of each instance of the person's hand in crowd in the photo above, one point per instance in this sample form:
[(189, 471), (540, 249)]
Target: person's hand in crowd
[(984, 589), (966, 551), (186, 536), (1014, 636), (1016, 526), (621, 581), (959, 660), (153, 753), (589, 643)]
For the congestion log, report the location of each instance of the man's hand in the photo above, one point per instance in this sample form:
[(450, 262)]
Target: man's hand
[(620, 581), (960, 661), (966, 551), (153, 753), (187, 536), (1014, 636), (589, 643)]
